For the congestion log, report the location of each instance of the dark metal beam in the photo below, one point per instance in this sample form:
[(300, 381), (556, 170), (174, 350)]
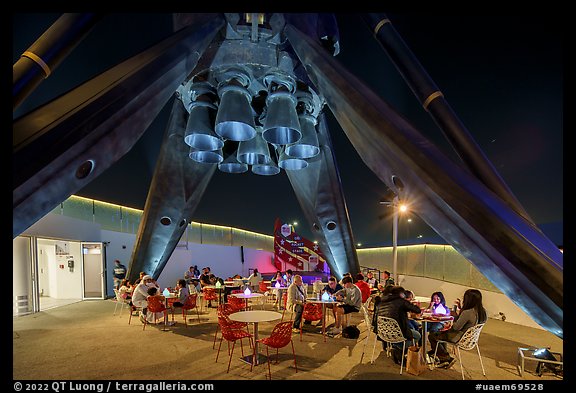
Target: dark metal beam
[(60, 147), (505, 247), (433, 101), (177, 187), (47, 52)]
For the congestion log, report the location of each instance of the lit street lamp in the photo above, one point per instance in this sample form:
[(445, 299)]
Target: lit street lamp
[(394, 203)]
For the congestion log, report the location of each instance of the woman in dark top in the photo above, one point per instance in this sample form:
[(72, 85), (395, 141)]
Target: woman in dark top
[(393, 305), (472, 313)]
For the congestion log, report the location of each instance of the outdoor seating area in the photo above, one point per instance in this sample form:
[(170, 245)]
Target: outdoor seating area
[(52, 345)]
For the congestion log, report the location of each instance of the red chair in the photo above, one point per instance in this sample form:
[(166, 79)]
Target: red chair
[(284, 301), (190, 304), (312, 312), (237, 303), (230, 334), (224, 310), (263, 287), (210, 294), (279, 338), (155, 305)]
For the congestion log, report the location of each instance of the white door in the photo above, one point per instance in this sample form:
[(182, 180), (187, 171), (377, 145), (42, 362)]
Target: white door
[(92, 270)]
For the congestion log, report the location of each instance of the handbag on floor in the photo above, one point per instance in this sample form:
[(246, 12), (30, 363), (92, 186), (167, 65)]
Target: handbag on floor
[(415, 363)]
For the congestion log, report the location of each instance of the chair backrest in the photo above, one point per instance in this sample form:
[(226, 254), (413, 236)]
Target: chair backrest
[(281, 335), (191, 301), (263, 286), (367, 320), (225, 309), (470, 337), (236, 303), (210, 294), (155, 304), (118, 296), (389, 330), (312, 312), (236, 291)]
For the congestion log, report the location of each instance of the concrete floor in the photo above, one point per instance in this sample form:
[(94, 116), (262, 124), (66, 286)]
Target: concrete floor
[(85, 341)]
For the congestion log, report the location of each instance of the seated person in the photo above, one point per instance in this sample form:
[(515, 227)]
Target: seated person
[(394, 305), (472, 313), (182, 293), (153, 292), (125, 289), (331, 289), (371, 281), (437, 307), (363, 286), (412, 324), (351, 299)]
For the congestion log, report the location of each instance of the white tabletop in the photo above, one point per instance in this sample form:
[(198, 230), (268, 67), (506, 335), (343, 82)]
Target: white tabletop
[(213, 287), (244, 296), (255, 316), (273, 287), (322, 301)]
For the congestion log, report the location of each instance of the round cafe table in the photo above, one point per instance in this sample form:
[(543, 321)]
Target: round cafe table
[(254, 317), (244, 296), (168, 300), (425, 319), (324, 303)]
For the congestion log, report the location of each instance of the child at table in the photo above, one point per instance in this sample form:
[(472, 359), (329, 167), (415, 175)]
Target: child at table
[(161, 316), (182, 292), (437, 308)]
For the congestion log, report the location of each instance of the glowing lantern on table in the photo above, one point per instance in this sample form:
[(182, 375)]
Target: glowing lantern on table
[(277, 285), (166, 292), (247, 291), (218, 285), (325, 297), (284, 276), (440, 310)]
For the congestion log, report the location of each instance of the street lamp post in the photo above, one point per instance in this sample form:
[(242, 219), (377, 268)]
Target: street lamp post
[(395, 238), (391, 200)]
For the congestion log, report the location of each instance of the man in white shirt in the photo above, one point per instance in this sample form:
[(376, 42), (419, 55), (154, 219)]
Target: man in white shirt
[(296, 300)]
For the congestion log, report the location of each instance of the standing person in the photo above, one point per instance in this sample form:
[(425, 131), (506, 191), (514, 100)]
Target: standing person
[(276, 292), (352, 301), (254, 280), (388, 280), (472, 313), (371, 281), (394, 305), (119, 273), (295, 301), (289, 277)]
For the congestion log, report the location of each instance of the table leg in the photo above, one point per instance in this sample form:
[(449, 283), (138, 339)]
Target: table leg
[(165, 328), (429, 360), (324, 321)]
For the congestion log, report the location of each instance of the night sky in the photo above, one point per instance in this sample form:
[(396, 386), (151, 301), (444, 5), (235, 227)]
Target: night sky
[(502, 75)]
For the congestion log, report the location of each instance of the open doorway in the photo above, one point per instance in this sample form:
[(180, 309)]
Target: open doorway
[(93, 268)]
